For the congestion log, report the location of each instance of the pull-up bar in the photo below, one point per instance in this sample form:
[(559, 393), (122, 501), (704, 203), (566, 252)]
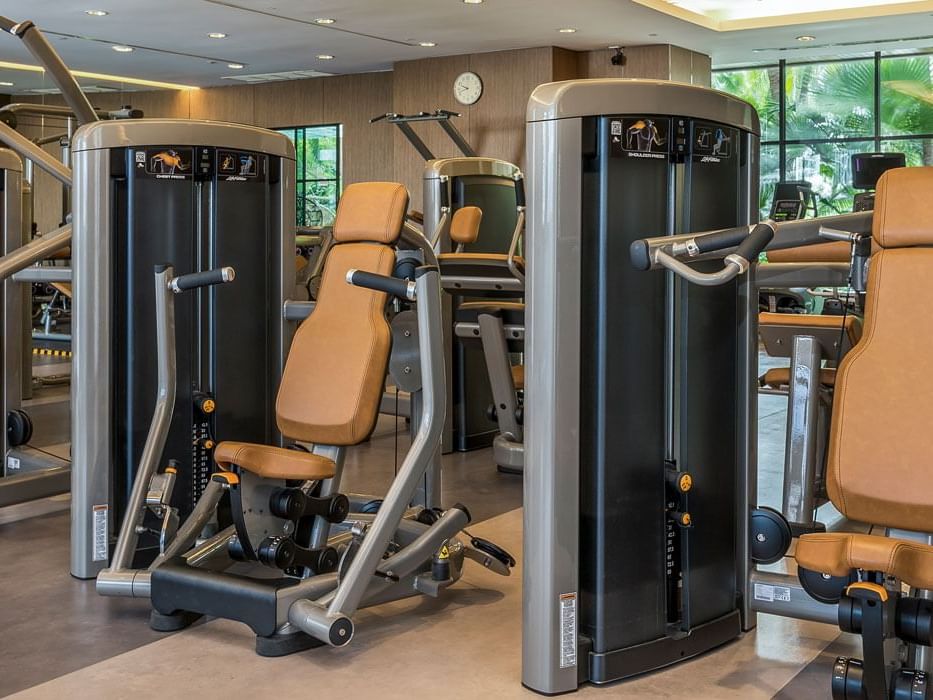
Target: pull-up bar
[(441, 116)]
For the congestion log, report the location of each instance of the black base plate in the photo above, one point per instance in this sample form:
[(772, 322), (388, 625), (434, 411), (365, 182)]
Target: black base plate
[(174, 622), (285, 644), (622, 663)]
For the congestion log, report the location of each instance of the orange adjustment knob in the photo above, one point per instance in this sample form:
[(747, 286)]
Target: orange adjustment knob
[(204, 403)]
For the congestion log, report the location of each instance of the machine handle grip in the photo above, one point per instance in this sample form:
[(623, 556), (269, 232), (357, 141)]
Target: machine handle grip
[(404, 289), (727, 238), (755, 242), (220, 275), (520, 192)]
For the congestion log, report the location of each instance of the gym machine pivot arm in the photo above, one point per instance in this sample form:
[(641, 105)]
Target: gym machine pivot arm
[(652, 253)]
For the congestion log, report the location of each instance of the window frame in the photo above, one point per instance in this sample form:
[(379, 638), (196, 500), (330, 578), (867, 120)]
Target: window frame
[(302, 180), (877, 138)]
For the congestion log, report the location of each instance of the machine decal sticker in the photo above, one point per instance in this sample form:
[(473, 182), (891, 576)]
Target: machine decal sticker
[(568, 630), (768, 593), (101, 533), (640, 137), (237, 165), (165, 163), (712, 143)]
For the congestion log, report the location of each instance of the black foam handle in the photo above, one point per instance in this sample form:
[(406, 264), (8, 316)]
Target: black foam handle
[(202, 279), (638, 252), (379, 283), (519, 192), (727, 238), (755, 242)]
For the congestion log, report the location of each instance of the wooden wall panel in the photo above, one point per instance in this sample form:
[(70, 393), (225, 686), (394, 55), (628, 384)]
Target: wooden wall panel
[(226, 104), (424, 85), (569, 65), (290, 103), (351, 100)]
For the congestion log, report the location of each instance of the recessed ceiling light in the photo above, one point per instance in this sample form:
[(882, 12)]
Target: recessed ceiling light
[(324, 20), (217, 35), (427, 44), (325, 57), (567, 30), (96, 13), (122, 49), (6, 83), (235, 66), (806, 37), (473, 2)]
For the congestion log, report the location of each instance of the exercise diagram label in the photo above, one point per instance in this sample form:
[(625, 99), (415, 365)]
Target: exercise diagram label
[(640, 137)]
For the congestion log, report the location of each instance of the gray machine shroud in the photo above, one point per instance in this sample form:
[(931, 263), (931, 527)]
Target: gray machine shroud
[(199, 195), (631, 374)]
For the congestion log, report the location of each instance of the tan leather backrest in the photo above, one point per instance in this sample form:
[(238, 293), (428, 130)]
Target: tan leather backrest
[(835, 251), (371, 211), (880, 465), (335, 373), (464, 226), (902, 208)]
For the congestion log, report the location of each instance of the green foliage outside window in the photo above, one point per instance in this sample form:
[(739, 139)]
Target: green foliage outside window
[(318, 181), (830, 113)]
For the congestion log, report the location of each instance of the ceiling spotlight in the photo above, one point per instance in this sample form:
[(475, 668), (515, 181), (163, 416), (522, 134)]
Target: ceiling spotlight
[(567, 30), (216, 35), (235, 66), (325, 57), (96, 13), (324, 20), (6, 83), (427, 44), (122, 49), (806, 37)]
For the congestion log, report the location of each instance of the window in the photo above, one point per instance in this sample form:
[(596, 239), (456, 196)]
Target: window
[(814, 116), (318, 183)]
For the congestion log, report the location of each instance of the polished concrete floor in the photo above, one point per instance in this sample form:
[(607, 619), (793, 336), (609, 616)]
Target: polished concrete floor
[(61, 639)]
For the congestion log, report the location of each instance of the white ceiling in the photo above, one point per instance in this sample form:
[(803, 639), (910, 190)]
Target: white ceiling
[(279, 35)]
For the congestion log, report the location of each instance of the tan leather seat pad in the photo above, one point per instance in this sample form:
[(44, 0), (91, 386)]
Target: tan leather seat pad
[(853, 324), (879, 464), (300, 262), (371, 211), (63, 287), (518, 376), (836, 251), (780, 376), (839, 553), (273, 462), (902, 203), (516, 305), (336, 367), (464, 225)]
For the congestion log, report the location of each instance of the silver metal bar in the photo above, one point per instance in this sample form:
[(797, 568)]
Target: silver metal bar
[(191, 529), (704, 279), (781, 594), (27, 149), (43, 274), (472, 330), (34, 251), (31, 486), (46, 140), (297, 310), (800, 451), (43, 52), (426, 442), (456, 283), (54, 337), (513, 246), (496, 352), (161, 421), (787, 275), (416, 239)]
